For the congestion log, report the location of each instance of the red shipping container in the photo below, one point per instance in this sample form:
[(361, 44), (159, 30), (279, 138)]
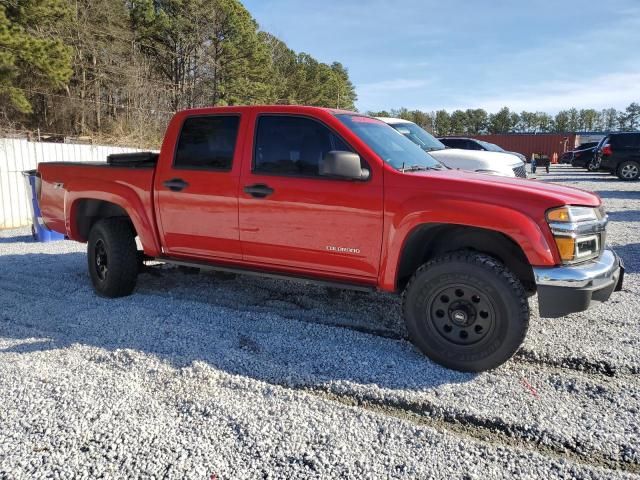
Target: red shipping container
[(528, 143)]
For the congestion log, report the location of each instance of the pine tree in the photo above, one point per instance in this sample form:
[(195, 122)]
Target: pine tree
[(29, 58)]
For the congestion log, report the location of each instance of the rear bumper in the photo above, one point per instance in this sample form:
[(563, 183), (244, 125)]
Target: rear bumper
[(608, 163), (568, 289)]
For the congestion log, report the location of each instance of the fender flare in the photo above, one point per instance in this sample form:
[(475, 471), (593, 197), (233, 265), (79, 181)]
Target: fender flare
[(120, 195), (535, 242)]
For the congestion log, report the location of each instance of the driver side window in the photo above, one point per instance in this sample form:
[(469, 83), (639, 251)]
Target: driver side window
[(287, 145)]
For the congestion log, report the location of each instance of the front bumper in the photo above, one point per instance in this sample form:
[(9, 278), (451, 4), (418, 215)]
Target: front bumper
[(571, 288)]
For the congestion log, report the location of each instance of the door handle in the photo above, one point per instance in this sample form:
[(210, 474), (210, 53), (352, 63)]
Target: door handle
[(259, 190), (176, 184)]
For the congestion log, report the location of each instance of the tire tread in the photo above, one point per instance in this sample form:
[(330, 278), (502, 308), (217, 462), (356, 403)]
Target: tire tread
[(123, 269), (492, 265)]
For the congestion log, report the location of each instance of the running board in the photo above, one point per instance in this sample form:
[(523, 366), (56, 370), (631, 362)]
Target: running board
[(267, 274)]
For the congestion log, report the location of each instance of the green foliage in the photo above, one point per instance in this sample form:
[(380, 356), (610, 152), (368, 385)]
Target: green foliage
[(476, 121), (501, 122), (121, 67), (630, 119), (562, 121), (28, 57), (442, 123)]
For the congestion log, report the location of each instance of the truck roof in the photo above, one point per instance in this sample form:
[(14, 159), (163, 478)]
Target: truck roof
[(262, 108)]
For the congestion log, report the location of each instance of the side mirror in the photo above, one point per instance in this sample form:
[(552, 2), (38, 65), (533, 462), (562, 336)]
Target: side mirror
[(343, 165)]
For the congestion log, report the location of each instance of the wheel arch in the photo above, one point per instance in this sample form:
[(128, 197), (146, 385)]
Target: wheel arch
[(83, 209), (428, 241), (87, 211)]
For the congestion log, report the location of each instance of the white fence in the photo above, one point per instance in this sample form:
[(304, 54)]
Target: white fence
[(18, 155)]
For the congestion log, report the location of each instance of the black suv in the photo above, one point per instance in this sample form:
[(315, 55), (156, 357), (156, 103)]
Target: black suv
[(619, 153)]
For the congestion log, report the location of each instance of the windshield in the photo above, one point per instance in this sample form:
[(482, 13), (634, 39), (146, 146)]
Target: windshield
[(420, 137), (396, 150), (492, 147)]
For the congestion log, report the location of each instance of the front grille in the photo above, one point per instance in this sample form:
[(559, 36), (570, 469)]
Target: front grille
[(520, 171)]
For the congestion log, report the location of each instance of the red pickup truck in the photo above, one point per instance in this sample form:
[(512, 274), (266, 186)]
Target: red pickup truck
[(341, 198)]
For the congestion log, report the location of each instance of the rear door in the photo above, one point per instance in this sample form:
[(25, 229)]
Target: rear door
[(196, 191), (292, 218)]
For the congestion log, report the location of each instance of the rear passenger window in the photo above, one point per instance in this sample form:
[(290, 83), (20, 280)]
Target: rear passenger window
[(207, 143), (293, 145)]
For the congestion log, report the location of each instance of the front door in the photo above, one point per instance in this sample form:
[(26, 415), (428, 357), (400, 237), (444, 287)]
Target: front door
[(294, 219), (197, 193)]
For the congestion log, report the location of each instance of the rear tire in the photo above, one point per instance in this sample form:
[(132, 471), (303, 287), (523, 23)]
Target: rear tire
[(593, 165), (628, 171), (112, 258), (466, 311)]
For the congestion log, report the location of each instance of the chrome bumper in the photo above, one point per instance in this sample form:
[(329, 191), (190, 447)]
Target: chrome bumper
[(568, 289)]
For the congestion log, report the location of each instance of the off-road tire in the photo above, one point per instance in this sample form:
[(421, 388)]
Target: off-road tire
[(112, 240), (472, 277), (628, 171)]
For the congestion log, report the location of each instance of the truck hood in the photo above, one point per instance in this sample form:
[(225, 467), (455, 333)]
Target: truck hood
[(502, 190)]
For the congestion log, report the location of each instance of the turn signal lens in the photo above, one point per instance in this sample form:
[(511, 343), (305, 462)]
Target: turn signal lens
[(572, 213), (566, 248), (559, 215)]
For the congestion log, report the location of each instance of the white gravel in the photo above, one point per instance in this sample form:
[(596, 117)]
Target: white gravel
[(201, 375)]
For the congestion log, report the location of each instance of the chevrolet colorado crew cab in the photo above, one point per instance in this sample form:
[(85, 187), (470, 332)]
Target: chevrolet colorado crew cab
[(342, 199)]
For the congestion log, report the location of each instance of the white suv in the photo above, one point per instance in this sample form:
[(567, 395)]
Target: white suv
[(494, 163)]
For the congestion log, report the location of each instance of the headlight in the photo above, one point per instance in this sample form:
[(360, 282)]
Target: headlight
[(579, 232), (489, 172)]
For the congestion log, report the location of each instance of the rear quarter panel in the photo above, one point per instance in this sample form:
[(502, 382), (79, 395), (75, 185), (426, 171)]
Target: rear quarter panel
[(64, 185)]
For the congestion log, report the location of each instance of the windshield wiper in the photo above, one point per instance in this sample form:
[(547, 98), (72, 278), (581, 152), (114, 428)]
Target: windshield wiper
[(419, 168), (413, 168)]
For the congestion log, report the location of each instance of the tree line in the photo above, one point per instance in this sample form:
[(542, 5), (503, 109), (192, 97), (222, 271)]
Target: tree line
[(478, 121), (120, 68)]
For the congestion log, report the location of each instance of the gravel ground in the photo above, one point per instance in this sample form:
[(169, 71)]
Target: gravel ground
[(207, 376)]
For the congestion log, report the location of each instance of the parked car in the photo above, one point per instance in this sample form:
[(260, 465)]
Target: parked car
[(494, 163), (341, 199), (474, 144), (583, 155), (619, 153)]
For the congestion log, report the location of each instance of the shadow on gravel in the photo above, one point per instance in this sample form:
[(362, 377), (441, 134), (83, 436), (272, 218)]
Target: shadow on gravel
[(582, 178), (19, 239), (624, 215), (621, 194), (629, 255), (276, 331)]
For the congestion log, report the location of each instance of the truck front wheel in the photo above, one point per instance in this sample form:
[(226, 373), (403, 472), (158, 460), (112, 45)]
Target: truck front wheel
[(466, 311), (112, 258)]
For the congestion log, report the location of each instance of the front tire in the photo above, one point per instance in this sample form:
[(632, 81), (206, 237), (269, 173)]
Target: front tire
[(112, 258), (466, 311), (628, 170)]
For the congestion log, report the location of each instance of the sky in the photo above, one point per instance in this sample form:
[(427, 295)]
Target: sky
[(534, 55)]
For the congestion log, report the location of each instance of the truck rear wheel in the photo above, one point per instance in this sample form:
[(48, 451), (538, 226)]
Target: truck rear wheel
[(466, 311), (112, 258), (593, 165)]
